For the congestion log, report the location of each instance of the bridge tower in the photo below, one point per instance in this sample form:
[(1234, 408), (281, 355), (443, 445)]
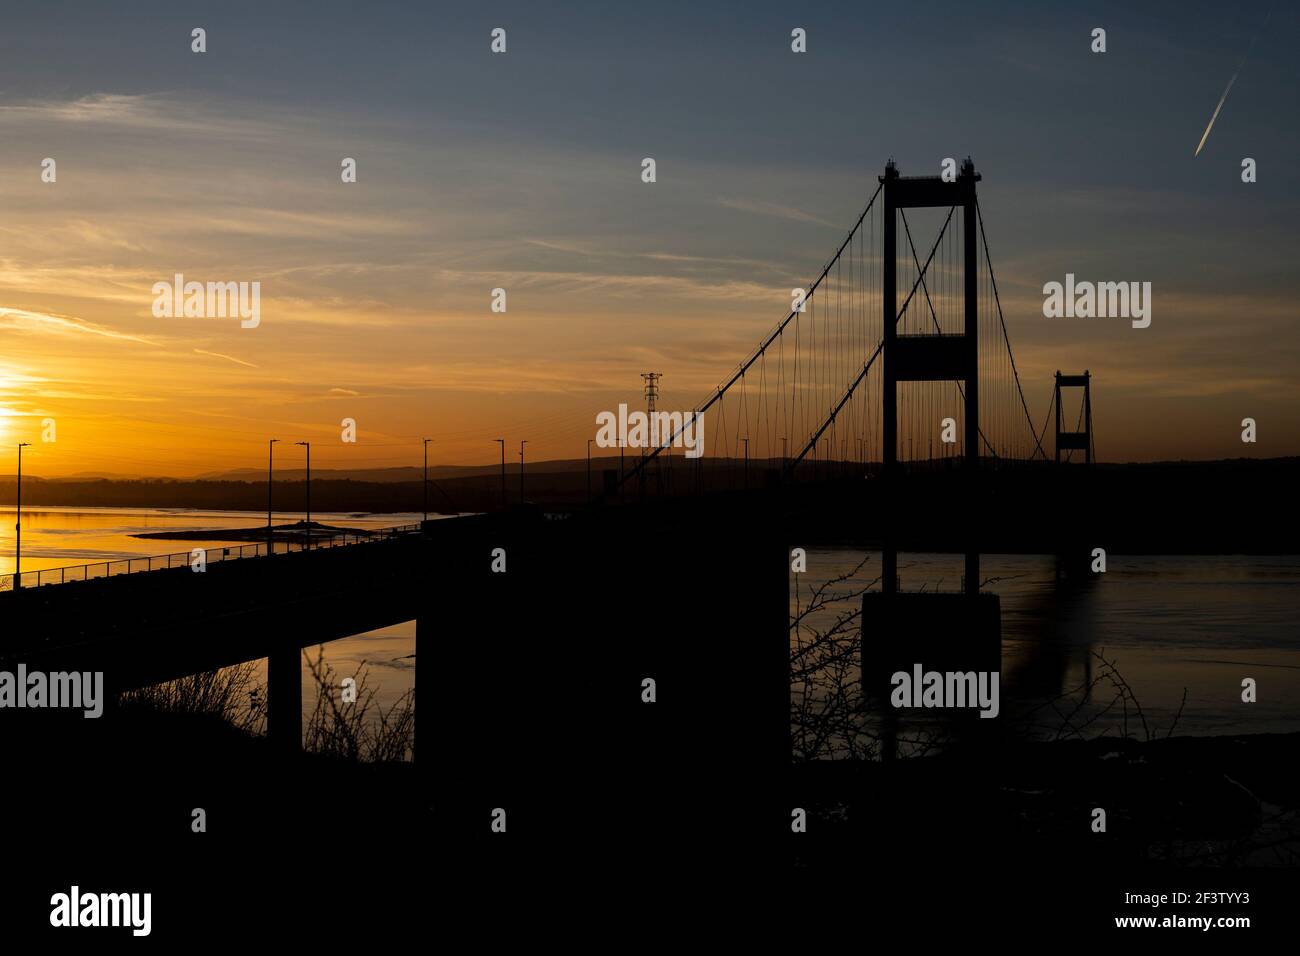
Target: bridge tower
[(929, 358), (1065, 441)]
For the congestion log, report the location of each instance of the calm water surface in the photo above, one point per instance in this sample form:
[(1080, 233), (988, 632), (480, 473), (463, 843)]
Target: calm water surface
[(1167, 622), (65, 537)]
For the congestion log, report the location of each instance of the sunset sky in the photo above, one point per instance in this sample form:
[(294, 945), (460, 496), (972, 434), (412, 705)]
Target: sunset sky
[(522, 171)]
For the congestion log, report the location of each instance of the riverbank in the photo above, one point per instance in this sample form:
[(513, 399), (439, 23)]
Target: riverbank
[(1195, 801), (296, 532)]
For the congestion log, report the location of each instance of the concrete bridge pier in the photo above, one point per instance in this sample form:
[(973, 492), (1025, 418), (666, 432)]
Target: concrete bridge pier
[(284, 697)]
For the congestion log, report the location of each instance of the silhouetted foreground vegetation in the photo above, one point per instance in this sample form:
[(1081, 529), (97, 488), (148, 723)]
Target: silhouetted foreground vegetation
[(954, 787), (357, 728), (230, 695)]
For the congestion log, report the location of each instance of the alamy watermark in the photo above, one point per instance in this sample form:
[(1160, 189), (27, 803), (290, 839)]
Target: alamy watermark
[(651, 430), (946, 689), (216, 300), (1103, 300), (36, 689), (103, 909)]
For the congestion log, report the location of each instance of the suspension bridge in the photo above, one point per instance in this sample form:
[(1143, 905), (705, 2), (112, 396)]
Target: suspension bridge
[(897, 355), (895, 363), (894, 366)]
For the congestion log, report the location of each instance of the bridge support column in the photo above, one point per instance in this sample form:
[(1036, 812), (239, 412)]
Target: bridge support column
[(284, 698), (1074, 440), (941, 357)]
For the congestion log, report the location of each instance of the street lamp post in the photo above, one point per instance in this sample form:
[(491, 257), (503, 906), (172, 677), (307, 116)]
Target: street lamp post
[(521, 471), (307, 444), (502, 443), (426, 478), (746, 441), (18, 522), (270, 458)]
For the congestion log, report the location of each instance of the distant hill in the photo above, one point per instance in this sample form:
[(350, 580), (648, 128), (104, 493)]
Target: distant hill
[(452, 488), (410, 473), (1177, 507), (561, 466), (91, 475), (380, 475), (373, 475)]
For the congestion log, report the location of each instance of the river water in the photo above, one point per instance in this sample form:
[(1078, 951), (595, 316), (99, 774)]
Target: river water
[(1168, 623), (56, 537)]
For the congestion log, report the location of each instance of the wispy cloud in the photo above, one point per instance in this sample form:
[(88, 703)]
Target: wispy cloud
[(25, 321), (595, 250), (621, 284), (776, 210), (228, 358), (150, 111)]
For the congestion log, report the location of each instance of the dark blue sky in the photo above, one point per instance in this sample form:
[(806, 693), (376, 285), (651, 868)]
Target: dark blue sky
[(525, 165)]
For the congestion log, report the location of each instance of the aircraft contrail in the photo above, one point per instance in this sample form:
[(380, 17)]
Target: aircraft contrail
[(1209, 126), (1206, 134)]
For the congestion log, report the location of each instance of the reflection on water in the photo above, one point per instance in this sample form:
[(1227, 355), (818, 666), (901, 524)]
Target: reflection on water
[(63, 537), (386, 657), (1167, 623)]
